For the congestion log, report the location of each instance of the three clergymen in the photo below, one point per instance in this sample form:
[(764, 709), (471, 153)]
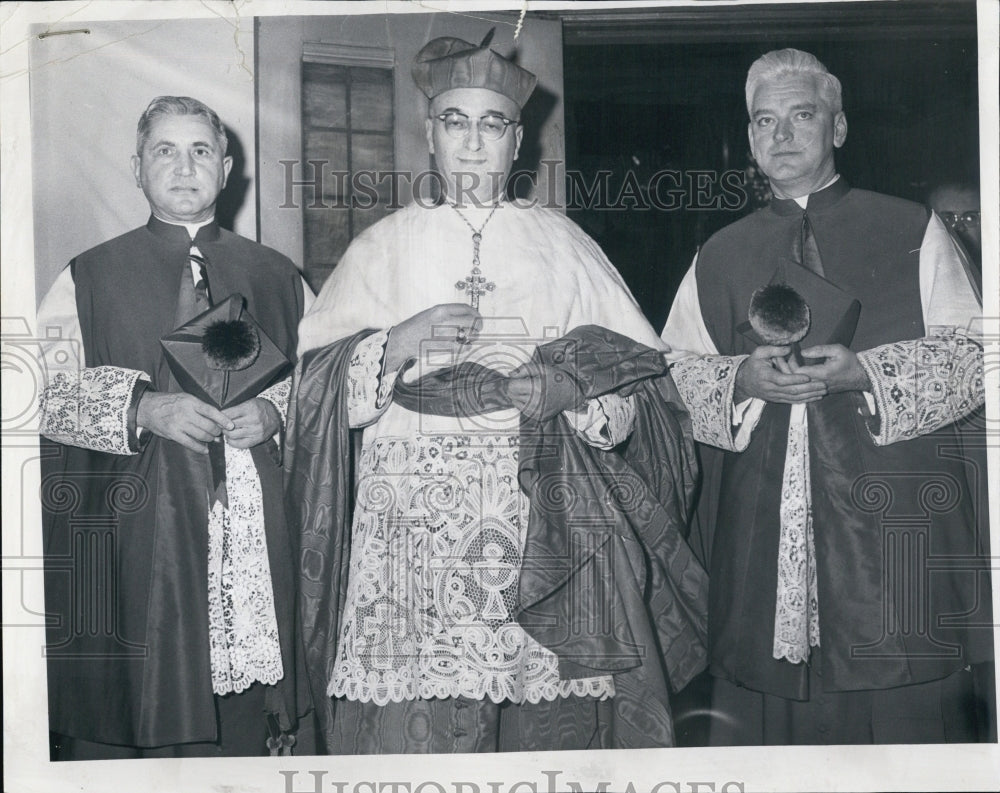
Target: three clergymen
[(461, 525)]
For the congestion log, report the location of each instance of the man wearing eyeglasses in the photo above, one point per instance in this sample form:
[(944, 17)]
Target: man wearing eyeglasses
[(957, 204), (429, 337), (474, 138), (847, 603)]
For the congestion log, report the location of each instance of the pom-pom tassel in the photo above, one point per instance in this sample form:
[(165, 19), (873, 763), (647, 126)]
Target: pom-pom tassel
[(780, 316), (230, 345)]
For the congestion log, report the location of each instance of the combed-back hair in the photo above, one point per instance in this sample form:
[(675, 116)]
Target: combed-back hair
[(178, 106), (778, 64)]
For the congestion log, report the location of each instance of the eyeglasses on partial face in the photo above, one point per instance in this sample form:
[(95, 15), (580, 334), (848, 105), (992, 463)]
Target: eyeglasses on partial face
[(492, 126), (970, 218)]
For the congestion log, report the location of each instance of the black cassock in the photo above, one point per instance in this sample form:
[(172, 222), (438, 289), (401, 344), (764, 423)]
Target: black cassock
[(126, 536), (900, 530)]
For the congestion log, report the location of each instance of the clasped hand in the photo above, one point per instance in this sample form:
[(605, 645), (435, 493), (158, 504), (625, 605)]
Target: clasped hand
[(537, 391), (449, 326), (771, 374), (194, 424), (541, 392)]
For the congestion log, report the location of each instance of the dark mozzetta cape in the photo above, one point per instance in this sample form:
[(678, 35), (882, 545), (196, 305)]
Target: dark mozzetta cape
[(126, 540), (634, 606), (896, 527)]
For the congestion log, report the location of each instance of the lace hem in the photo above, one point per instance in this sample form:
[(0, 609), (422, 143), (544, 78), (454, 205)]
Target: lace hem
[(243, 628), (90, 409), (920, 385), (600, 688), (706, 384), (278, 395), (796, 613)]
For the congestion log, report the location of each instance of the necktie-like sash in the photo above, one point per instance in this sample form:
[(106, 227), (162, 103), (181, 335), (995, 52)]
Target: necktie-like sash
[(805, 251)]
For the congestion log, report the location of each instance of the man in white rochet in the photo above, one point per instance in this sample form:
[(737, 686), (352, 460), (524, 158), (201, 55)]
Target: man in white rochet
[(453, 609)]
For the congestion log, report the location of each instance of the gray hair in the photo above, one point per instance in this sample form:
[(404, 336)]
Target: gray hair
[(178, 106), (778, 64)]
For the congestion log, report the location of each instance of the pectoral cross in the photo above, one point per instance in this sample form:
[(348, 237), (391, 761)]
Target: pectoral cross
[(475, 284)]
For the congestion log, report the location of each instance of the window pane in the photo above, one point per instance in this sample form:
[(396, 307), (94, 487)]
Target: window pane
[(371, 152), (324, 95), (327, 234), (347, 127), (371, 99), (329, 148)]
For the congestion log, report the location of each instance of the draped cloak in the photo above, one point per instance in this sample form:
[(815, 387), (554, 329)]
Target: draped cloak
[(126, 536), (625, 596), (900, 530)]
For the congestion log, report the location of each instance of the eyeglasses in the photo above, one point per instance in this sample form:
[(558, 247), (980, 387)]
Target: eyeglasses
[(491, 126), (970, 218)]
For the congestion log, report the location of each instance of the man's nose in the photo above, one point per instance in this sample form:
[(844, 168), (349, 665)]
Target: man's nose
[(474, 141), (184, 163), (783, 130)]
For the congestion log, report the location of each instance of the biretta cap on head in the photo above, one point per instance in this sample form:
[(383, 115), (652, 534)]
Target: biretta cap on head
[(446, 62)]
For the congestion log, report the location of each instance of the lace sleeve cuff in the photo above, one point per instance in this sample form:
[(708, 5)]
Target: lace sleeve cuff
[(706, 385), (94, 409), (604, 421), (920, 385), (369, 387), (277, 395)]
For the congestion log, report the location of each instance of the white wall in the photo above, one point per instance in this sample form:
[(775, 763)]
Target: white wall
[(87, 93)]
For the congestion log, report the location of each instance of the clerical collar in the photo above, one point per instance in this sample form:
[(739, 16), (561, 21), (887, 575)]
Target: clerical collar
[(207, 231), (820, 200)]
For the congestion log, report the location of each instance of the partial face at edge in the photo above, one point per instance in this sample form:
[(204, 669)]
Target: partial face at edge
[(959, 201), (181, 169), (472, 167), (793, 133)]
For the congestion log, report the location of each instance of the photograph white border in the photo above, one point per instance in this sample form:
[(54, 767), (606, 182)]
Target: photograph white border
[(27, 768)]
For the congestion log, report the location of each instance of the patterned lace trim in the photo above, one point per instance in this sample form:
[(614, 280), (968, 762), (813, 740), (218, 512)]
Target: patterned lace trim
[(437, 540), (90, 408), (796, 614), (243, 628), (368, 389), (277, 395), (706, 385), (535, 692), (923, 384)]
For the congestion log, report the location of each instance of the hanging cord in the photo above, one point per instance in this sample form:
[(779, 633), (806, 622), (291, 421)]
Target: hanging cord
[(520, 19)]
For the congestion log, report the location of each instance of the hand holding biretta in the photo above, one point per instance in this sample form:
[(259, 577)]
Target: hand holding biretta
[(800, 308), (445, 63)]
